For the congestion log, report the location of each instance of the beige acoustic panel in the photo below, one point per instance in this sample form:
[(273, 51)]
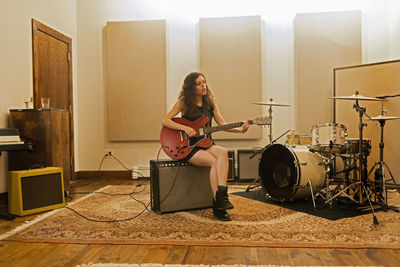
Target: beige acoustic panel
[(136, 79), (323, 41), (230, 57), (381, 79)]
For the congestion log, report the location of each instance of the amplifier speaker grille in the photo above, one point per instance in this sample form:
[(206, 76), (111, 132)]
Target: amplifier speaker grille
[(177, 186), (248, 168)]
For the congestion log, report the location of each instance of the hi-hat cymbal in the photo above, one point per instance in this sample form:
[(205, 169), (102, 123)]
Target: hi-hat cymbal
[(357, 96), (383, 117), (271, 103)]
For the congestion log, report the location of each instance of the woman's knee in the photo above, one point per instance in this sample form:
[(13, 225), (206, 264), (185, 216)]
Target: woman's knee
[(221, 152), (203, 158)]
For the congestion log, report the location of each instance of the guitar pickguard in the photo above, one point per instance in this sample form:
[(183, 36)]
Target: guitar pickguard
[(193, 141)]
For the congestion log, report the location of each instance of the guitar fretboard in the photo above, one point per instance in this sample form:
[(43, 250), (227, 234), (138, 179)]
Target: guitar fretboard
[(209, 130)]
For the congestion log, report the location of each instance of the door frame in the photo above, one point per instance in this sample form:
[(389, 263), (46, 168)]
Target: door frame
[(40, 27)]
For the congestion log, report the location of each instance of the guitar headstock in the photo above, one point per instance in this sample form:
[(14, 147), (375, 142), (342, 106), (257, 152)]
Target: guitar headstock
[(262, 121)]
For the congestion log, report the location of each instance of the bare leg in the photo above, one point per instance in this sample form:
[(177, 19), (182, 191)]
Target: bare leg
[(221, 155), (217, 158), (205, 158)]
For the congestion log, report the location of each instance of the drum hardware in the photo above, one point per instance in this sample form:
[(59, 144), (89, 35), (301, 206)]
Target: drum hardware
[(380, 180), (270, 103), (362, 161), (309, 183), (361, 173)]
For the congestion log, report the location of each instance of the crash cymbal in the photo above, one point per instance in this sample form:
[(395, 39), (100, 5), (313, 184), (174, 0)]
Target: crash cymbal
[(357, 96), (383, 117), (271, 103)]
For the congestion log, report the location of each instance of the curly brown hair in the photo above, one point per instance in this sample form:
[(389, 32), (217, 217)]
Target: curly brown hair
[(188, 97)]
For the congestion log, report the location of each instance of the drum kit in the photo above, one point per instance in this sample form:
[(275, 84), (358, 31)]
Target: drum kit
[(327, 164)]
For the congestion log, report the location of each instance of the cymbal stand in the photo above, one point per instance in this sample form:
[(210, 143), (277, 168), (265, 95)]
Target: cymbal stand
[(381, 164), (265, 147), (362, 160)]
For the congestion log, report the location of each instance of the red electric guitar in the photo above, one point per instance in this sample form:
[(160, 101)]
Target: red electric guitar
[(177, 144)]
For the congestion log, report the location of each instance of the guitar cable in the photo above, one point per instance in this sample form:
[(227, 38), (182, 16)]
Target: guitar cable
[(175, 178), (146, 206), (112, 194)]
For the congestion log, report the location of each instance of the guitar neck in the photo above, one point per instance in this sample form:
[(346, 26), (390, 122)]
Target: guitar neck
[(208, 130)]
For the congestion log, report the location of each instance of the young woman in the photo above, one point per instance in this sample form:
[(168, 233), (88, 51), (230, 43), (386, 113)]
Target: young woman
[(195, 101)]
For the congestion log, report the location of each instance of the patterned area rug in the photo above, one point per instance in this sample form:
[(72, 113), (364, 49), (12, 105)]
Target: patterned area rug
[(254, 223)]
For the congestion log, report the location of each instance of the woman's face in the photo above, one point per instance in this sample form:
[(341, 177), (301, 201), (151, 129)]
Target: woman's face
[(201, 86)]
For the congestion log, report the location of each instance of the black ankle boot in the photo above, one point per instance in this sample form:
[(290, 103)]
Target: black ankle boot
[(221, 215), (221, 198)]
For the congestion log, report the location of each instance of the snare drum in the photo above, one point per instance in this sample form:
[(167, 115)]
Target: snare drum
[(328, 138), (285, 172), (353, 144)]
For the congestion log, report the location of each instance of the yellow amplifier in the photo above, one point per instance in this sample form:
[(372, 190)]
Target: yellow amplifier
[(36, 190)]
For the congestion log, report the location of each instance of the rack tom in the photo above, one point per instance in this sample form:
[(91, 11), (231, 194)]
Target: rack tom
[(353, 146), (329, 138), (298, 139)]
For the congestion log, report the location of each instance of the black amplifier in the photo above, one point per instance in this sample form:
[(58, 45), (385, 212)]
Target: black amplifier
[(177, 185)]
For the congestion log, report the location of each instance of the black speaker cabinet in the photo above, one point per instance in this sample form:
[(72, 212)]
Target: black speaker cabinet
[(247, 166), (177, 186), (231, 162)]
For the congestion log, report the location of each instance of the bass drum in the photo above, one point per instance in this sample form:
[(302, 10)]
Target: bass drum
[(285, 172)]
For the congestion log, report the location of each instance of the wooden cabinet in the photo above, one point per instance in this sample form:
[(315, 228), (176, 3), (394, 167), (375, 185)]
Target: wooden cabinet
[(49, 133)]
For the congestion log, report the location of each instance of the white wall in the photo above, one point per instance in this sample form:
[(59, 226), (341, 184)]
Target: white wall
[(182, 17), (16, 52), (84, 21)]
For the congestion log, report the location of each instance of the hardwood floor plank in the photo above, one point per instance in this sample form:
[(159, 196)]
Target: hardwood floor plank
[(300, 255), (327, 258), (33, 255), (13, 252), (47, 254), (156, 254), (388, 258), (125, 253), (176, 255), (87, 255), (195, 255), (270, 256), (251, 257), (142, 254), (64, 255), (221, 255)]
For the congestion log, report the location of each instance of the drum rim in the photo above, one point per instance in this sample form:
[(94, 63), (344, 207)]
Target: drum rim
[(296, 166), (299, 135), (329, 124)]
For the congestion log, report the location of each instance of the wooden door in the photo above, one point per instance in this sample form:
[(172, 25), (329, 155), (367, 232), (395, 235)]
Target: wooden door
[(52, 76)]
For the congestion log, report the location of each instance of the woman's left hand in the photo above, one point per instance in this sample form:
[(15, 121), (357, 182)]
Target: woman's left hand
[(245, 126)]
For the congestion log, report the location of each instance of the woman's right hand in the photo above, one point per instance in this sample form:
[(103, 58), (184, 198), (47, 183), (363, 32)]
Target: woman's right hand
[(190, 131)]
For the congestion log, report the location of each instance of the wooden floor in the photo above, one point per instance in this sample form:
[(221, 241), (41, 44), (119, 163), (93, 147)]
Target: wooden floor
[(43, 254)]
